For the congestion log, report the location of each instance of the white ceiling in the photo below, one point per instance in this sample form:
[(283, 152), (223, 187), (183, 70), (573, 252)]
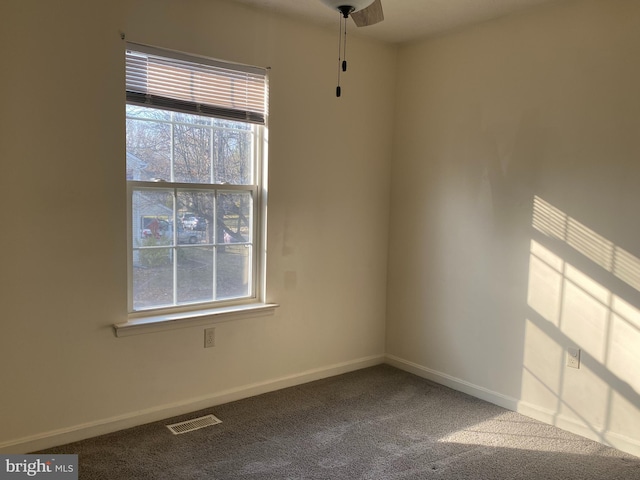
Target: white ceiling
[(404, 19)]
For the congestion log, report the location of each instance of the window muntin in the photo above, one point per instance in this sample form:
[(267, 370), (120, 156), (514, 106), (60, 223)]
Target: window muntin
[(194, 203)]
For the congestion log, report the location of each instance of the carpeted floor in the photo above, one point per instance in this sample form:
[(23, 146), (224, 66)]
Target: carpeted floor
[(376, 423)]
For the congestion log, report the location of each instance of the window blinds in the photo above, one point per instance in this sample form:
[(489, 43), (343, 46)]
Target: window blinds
[(179, 82)]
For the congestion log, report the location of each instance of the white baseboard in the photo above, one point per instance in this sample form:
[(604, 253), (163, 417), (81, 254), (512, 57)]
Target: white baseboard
[(496, 398), (596, 433), (611, 439), (108, 425)]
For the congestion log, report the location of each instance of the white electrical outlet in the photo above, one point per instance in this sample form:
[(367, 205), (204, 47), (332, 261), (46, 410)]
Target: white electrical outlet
[(209, 337), (573, 357)]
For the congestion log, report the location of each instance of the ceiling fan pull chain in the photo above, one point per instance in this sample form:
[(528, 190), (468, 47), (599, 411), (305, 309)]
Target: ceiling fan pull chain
[(365, 12), (344, 52), (338, 89)]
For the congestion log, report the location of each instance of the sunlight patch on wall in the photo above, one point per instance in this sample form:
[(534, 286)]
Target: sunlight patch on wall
[(586, 308), (571, 309), (545, 272), (554, 223), (541, 376), (624, 357)]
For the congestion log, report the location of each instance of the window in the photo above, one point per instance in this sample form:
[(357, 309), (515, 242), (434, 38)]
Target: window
[(195, 146)]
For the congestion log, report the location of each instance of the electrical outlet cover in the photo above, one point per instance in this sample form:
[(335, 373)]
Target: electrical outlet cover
[(209, 337), (573, 357)]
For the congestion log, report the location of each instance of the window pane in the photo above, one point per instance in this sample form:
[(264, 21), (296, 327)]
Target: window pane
[(195, 274), (234, 217), (152, 215), (192, 154), (152, 132), (195, 216), (233, 153), (148, 148), (233, 276), (152, 278)]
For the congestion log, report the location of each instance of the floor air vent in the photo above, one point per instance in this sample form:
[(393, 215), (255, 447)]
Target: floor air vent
[(194, 424)]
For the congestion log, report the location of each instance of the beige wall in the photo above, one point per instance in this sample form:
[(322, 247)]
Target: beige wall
[(514, 220), (513, 229), (63, 272)]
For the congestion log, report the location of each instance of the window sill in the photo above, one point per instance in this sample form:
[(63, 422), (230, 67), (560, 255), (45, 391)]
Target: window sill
[(171, 321)]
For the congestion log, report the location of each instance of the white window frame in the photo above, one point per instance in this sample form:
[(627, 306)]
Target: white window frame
[(178, 316)]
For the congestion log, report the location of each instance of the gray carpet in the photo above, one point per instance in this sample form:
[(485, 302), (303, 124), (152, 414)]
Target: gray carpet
[(376, 423)]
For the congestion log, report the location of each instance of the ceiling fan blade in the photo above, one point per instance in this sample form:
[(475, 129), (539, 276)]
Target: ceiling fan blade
[(369, 16)]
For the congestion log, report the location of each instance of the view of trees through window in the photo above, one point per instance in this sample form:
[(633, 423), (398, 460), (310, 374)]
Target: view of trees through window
[(193, 194)]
